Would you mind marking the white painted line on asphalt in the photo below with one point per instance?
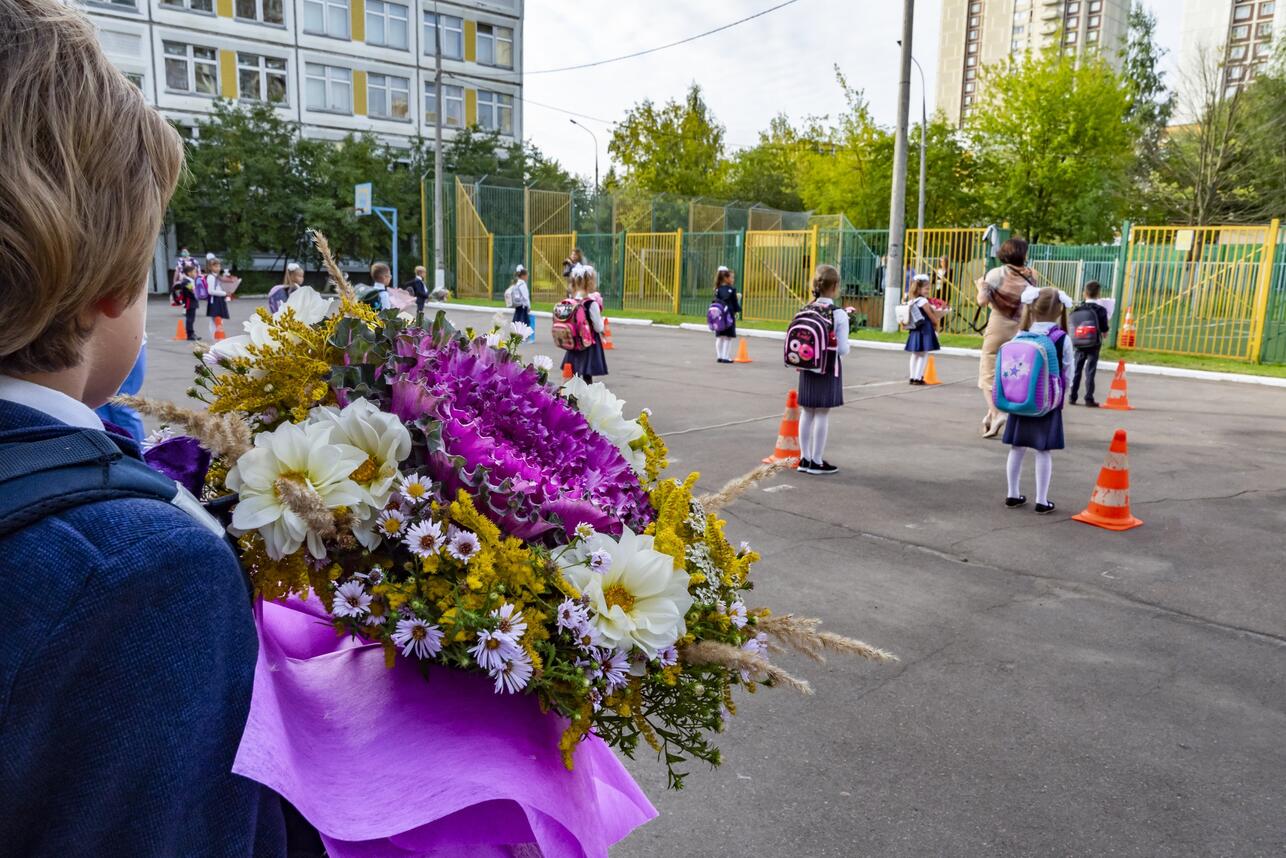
(482, 308)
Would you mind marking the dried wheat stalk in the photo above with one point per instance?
(734, 489)
(735, 658)
(801, 634)
(225, 435)
(304, 501)
(345, 289)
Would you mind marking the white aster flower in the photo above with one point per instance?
(544, 362)
(511, 676)
(493, 649)
(303, 454)
(494, 340)
(418, 638)
(510, 621)
(463, 546)
(604, 413)
(390, 523)
(424, 539)
(520, 330)
(571, 616)
(640, 599)
(372, 620)
(584, 530)
(165, 433)
(351, 600)
(737, 613)
(415, 488)
(378, 434)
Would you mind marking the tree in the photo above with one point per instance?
(767, 173)
(244, 184)
(1055, 147)
(675, 149)
(1151, 106)
(951, 177)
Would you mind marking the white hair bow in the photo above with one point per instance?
(582, 270)
(1031, 293)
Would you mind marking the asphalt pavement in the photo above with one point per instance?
(1062, 689)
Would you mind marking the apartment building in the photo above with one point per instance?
(333, 66)
(979, 33)
(1239, 34)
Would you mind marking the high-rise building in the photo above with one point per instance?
(1237, 34)
(333, 66)
(978, 33)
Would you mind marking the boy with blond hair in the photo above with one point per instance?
(128, 652)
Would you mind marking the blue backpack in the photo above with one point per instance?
(1029, 381)
(46, 471)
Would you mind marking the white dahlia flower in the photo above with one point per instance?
(605, 414)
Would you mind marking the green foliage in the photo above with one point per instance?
(674, 149)
(1151, 106)
(1055, 147)
(767, 173)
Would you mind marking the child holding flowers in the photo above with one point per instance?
(129, 648)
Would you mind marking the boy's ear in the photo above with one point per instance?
(112, 308)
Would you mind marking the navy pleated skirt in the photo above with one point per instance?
(591, 361)
(1039, 433)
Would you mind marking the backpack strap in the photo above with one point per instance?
(50, 473)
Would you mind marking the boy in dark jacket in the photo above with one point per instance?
(128, 651)
(1088, 335)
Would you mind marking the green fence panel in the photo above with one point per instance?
(602, 250)
(509, 251)
(1274, 347)
(1071, 266)
(703, 253)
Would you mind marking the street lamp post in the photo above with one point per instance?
(595, 139)
(895, 271)
(924, 133)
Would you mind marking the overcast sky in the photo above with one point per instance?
(781, 62)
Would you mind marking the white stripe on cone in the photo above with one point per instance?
(1111, 497)
(784, 443)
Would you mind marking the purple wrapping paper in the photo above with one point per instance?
(182, 459)
(385, 763)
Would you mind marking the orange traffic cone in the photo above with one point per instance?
(931, 373)
(1110, 503)
(1116, 398)
(787, 449)
(567, 371)
(743, 353)
(607, 335)
(1127, 329)
(180, 331)
(218, 328)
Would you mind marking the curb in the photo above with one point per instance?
(952, 351)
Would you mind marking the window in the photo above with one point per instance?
(452, 105)
(128, 4)
(1014, 46)
(1243, 13)
(970, 86)
(1264, 29)
(1096, 5)
(975, 8)
(970, 74)
(495, 46)
(1237, 53)
(267, 11)
(261, 78)
(1241, 33)
(191, 5)
(387, 96)
(1267, 9)
(1071, 37)
(970, 62)
(975, 21)
(135, 78)
(1018, 31)
(1073, 9)
(971, 48)
(1092, 36)
(496, 111)
(452, 36)
(190, 68)
(968, 100)
(386, 24)
(1236, 72)
(1020, 17)
(328, 88)
(973, 36)
(1093, 21)
(1262, 49)
(326, 18)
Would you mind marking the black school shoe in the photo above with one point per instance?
(1044, 508)
(1014, 503)
(823, 469)
(1071, 400)
(1089, 403)
(805, 466)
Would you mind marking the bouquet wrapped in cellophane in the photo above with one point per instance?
(507, 552)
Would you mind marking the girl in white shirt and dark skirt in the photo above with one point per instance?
(590, 361)
(819, 392)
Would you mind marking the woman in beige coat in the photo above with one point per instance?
(1001, 290)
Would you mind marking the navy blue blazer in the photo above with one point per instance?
(126, 665)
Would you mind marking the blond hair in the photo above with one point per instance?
(824, 279)
(86, 172)
(379, 269)
(420, 271)
(1048, 307)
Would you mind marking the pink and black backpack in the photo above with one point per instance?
(810, 335)
(572, 329)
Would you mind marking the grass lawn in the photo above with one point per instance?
(956, 340)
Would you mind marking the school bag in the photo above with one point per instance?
(1029, 379)
(571, 327)
(202, 287)
(509, 295)
(903, 313)
(719, 317)
(810, 335)
(1086, 333)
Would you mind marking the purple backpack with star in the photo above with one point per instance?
(718, 317)
(1029, 380)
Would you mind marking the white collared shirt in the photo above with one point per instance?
(46, 400)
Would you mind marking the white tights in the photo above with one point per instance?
(918, 362)
(1044, 470)
(723, 347)
(210, 323)
(814, 424)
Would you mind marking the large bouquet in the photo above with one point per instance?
(438, 500)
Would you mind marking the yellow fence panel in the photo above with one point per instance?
(1197, 290)
(473, 246)
(778, 273)
(547, 255)
(548, 212)
(652, 272)
(966, 260)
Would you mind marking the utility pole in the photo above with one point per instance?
(897, 205)
(440, 271)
